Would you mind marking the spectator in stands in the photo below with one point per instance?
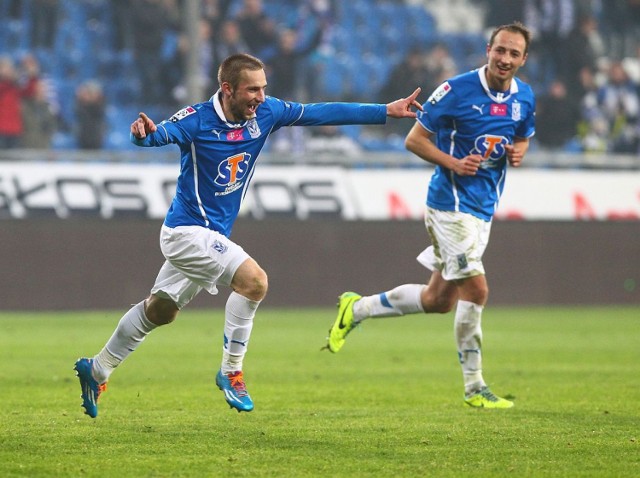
(619, 101)
(502, 12)
(440, 66)
(593, 129)
(229, 42)
(38, 118)
(557, 117)
(176, 64)
(427, 69)
(257, 29)
(216, 13)
(151, 20)
(585, 46)
(283, 65)
(44, 17)
(206, 58)
(122, 24)
(620, 23)
(90, 115)
(550, 21)
(12, 94)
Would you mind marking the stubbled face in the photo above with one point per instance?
(506, 56)
(240, 104)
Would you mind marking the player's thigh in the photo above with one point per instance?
(171, 284)
(204, 257)
(459, 241)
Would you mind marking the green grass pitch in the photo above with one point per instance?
(388, 405)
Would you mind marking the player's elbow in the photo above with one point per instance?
(410, 143)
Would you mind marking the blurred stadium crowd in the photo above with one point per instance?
(75, 73)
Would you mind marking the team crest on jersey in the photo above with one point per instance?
(516, 114)
(491, 148)
(183, 113)
(440, 92)
(254, 129)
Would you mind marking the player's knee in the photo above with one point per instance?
(443, 305)
(478, 295)
(438, 298)
(438, 304)
(251, 281)
(258, 285)
(254, 286)
(160, 311)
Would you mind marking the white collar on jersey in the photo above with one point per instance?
(501, 97)
(217, 106)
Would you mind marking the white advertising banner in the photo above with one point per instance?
(64, 190)
(529, 194)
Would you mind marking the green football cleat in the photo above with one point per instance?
(483, 398)
(344, 322)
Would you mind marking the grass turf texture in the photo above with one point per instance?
(389, 404)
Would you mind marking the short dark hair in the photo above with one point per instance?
(232, 67)
(515, 27)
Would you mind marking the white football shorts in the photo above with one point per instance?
(458, 242)
(196, 258)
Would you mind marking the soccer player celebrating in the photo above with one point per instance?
(219, 141)
(472, 126)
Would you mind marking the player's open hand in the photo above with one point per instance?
(142, 126)
(402, 108)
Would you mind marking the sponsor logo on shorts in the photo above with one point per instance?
(462, 261)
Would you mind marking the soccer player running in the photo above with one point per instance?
(472, 126)
(219, 142)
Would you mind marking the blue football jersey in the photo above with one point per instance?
(468, 117)
(218, 157)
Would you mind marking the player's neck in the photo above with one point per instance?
(497, 84)
(228, 114)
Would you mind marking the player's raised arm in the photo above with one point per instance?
(142, 126)
(402, 108)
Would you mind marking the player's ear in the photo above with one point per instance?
(226, 88)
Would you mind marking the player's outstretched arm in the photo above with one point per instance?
(142, 126)
(402, 108)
